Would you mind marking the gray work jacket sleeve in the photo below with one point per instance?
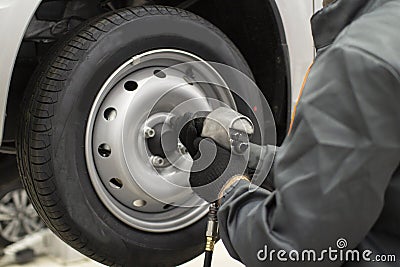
(332, 171)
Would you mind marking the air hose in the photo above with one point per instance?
(211, 234)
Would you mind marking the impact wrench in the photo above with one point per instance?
(231, 130)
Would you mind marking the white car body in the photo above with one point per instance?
(15, 16)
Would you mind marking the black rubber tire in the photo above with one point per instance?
(51, 137)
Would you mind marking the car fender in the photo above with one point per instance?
(15, 16)
(295, 17)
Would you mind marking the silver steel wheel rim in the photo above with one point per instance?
(18, 218)
(116, 152)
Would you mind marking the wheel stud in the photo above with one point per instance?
(157, 161)
(182, 149)
(149, 132)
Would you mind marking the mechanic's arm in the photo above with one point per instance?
(333, 169)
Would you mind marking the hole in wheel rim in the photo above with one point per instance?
(159, 74)
(110, 114)
(131, 86)
(104, 150)
(116, 183)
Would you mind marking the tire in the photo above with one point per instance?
(51, 139)
(11, 192)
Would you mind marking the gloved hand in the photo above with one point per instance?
(213, 167)
(189, 126)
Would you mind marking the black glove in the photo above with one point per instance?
(189, 126)
(213, 166)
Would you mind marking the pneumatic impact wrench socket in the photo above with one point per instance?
(231, 130)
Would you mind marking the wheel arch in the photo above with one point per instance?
(14, 79)
(296, 21)
(14, 29)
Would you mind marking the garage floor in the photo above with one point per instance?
(63, 256)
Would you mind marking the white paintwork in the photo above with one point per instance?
(14, 18)
(16, 14)
(317, 5)
(296, 16)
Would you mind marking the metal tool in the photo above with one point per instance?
(231, 130)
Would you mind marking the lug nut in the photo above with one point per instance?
(182, 149)
(157, 161)
(149, 132)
